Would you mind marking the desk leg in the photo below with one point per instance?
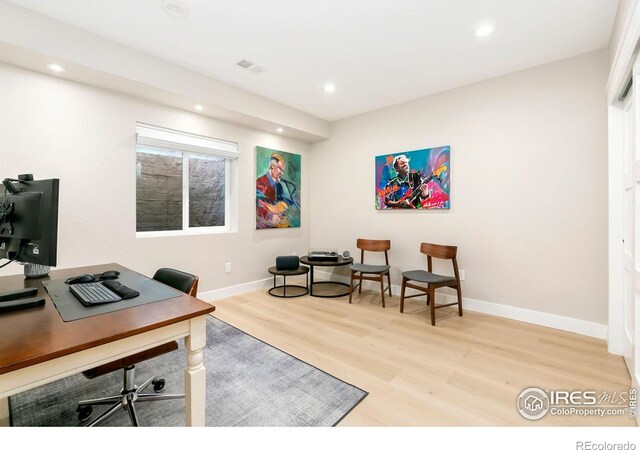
(4, 412)
(195, 375)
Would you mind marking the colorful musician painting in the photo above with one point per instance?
(417, 179)
(277, 189)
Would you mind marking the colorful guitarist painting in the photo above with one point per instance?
(418, 179)
(277, 189)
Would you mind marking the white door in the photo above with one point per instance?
(632, 301)
(629, 207)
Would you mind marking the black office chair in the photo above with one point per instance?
(130, 393)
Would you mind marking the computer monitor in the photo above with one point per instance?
(29, 220)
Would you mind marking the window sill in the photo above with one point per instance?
(189, 232)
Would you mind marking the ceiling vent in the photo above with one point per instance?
(251, 67)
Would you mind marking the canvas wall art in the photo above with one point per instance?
(278, 184)
(418, 179)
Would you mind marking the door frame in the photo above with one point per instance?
(619, 76)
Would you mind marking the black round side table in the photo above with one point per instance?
(302, 270)
(312, 263)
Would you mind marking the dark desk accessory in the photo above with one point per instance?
(119, 289)
(14, 300)
(88, 278)
(20, 293)
(346, 254)
(84, 278)
(23, 303)
(109, 275)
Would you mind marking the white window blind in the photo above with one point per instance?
(152, 136)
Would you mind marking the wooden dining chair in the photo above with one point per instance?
(433, 281)
(371, 272)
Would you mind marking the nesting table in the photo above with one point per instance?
(320, 263)
(302, 270)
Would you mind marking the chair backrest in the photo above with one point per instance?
(373, 245)
(181, 281)
(440, 252)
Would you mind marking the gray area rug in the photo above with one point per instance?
(249, 383)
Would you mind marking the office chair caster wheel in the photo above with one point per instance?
(84, 412)
(158, 384)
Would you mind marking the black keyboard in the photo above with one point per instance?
(93, 294)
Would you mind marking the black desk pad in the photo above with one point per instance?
(70, 307)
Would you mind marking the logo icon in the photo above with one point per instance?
(533, 403)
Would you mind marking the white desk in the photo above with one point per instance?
(37, 347)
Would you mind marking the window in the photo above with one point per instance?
(183, 182)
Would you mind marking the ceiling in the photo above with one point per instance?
(376, 52)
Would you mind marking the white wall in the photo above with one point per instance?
(528, 177)
(86, 137)
(528, 160)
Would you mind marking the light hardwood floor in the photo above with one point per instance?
(464, 371)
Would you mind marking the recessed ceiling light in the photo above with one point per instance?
(329, 88)
(198, 108)
(174, 8)
(279, 130)
(55, 68)
(484, 30)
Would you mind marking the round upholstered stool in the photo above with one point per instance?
(301, 270)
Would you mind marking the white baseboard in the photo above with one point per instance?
(592, 329)
(238, 289)
(596, 330)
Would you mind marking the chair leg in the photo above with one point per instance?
(102, 417)
(360, 286)
(404, 286)
(382, 288)
(100, 401)
(351, 287)
(459, 300)
(156, 397)
(131, 409)
(389, 280)
(432, 297)
(144, 385)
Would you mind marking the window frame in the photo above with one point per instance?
(153, 137)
